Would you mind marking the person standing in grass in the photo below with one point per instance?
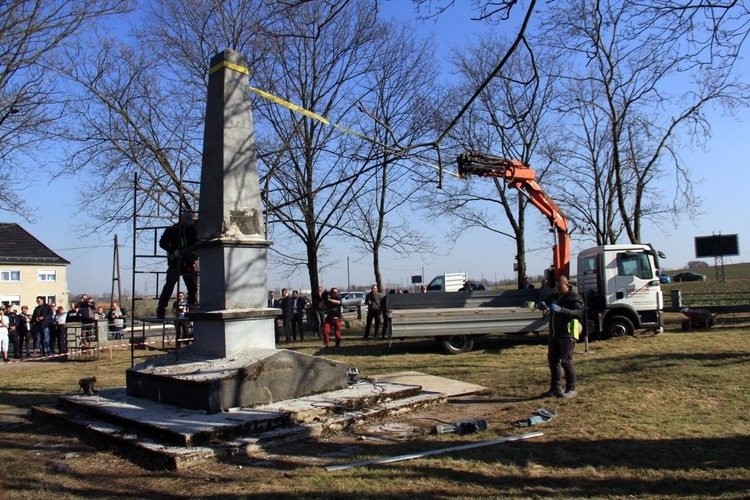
(116, 321)
(13, 330)
(334, 315)
(24, 330)
(42, 322)
(373, 300)
(4, 333)
(565, 310)
(319, 312)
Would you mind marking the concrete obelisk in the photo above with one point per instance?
(233, 251)
(233, 361)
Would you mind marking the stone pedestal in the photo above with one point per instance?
(224, 334)
(249, 378)
(232, 294)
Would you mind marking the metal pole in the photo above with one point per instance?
(435, 452)
(135, 263)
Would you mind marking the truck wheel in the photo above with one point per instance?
(455, 344)
(618, 327)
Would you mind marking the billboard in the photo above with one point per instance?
(716, 246)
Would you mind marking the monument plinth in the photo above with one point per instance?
(232, 324)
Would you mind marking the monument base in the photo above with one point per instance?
(225, 334)
(250, 378)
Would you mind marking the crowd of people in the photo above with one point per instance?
(324, 314)
(44, 331)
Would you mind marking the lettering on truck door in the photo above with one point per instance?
(632, 282)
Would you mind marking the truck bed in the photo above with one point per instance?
(465, 313)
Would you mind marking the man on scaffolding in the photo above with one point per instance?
(179, 241)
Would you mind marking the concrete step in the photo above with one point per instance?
(168, 437)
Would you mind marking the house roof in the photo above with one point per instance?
(18, 246)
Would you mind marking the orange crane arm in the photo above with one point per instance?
(522, 177)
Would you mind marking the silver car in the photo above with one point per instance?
(352, 300)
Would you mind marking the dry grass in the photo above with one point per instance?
(656, 417)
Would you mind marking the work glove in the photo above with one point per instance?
(541, 306)
(554, 308)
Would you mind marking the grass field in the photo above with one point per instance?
(656, 417)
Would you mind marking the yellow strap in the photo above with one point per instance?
(315, 116)
(352, 132)
(230, 65)
(287, 104)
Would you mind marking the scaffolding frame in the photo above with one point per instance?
(149, 227)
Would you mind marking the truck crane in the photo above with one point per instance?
(619, 283)
(523, 178)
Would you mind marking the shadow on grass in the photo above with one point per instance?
(640, 362)
(649, 467)
(24, 398)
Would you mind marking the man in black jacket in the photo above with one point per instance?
(298, 304)
(373, 300)
(565, 309)
(319, 312)
(42, 318)
(334, 315)
(526, 284)
(285, 304)
(179, 242)
(24, 330)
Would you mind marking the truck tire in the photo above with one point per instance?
(455, 344)
(618, 326)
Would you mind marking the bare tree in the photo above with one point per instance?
(581, 156)
(131, 120)
(141, 114)
(506, 120)
(32, 34)
(397, 114)
(321, 64)
(636, 109)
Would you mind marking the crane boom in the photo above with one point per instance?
(522, 177)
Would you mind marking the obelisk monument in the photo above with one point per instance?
(233, 361)
(233, 266)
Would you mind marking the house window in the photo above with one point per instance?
(47, 275)
(10, 275)
(13, 300)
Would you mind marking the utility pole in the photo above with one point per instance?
(116, 275)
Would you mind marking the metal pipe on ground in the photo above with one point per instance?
(435, 452)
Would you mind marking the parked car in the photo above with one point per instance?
(688, 276)
(352, 300)
(474, 286)
(664, 278)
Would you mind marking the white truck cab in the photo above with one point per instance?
(621, 290)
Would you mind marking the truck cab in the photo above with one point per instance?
(621, 290)
(448, 282)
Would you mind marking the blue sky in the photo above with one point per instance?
(723, 189)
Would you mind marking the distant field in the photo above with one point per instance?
(731, 271)
(734, 290)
